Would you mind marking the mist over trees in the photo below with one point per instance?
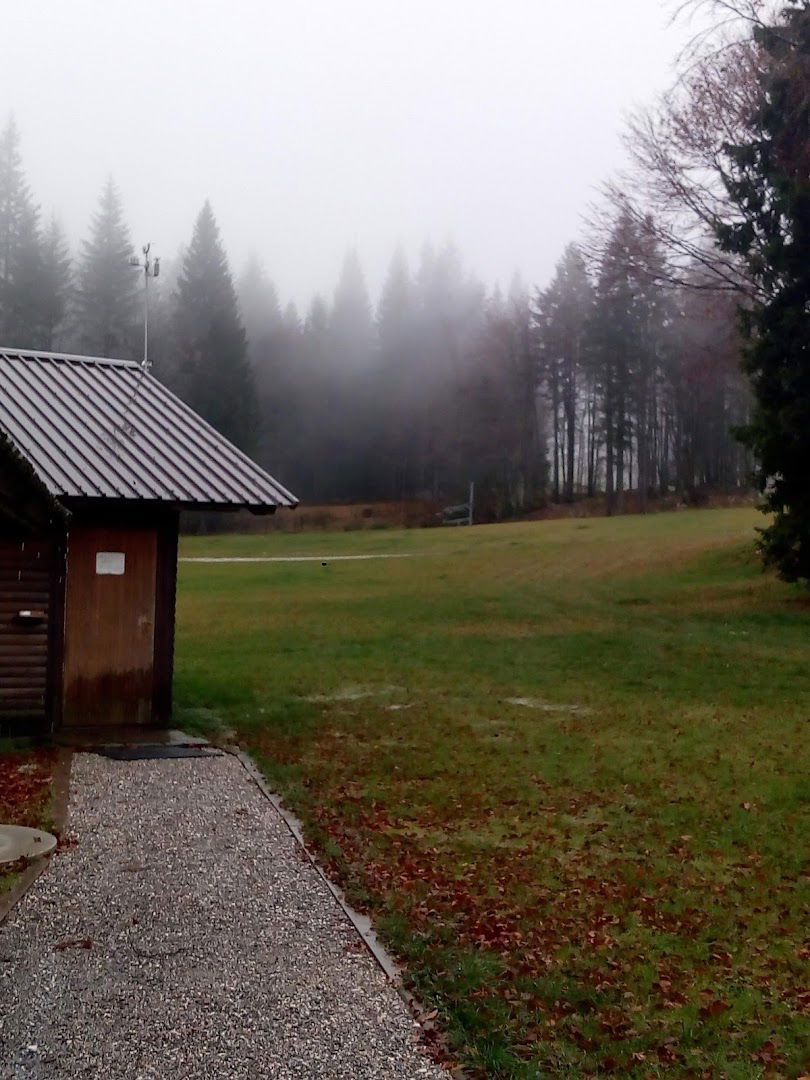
(618, 379)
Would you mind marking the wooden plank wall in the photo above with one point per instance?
(27, 571)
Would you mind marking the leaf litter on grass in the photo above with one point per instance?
(25, 796)
(25, 781)
(594, 949)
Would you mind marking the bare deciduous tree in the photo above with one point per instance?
(677, 184)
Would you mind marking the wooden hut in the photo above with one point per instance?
(97, 459)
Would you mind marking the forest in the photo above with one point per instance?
(621, 374)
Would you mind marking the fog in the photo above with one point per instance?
(387, 287)
(321, 126)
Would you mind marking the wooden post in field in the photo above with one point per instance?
(472, 501)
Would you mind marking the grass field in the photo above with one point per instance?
(565, 765)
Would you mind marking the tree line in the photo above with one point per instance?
(612, 378)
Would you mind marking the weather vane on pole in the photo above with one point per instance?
(151, 268)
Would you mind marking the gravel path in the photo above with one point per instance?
(186, 936)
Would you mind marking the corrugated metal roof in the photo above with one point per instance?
(106, 429)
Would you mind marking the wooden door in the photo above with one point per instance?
(109, 627)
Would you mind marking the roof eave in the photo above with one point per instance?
(8, 446)
(261, 508)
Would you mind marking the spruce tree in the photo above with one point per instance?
(21, 256)
(259, 306)
(770, 179)
(108, 304)
(614, 339)
(395, 313)
(290, 319)
(56, 283)
(15, 199)
(316, 325)
(22, 292)
(503, 449)
(215, 375)
(396, 405)
(351, 328)
(271, 353)
(561, 318)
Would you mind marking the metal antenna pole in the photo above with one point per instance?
(150, 269)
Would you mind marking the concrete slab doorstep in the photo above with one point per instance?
(184, 935)
(93, 737)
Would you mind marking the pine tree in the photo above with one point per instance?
(216, 377)
(769, 180)
(107, 300)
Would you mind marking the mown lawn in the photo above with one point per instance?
(611, 877)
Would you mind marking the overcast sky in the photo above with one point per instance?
(318, 125)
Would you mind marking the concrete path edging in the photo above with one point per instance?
(360, 922)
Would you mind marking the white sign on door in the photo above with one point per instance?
(110, 562)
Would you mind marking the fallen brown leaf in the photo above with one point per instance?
(73, 943)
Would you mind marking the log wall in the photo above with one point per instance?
(28, 569)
